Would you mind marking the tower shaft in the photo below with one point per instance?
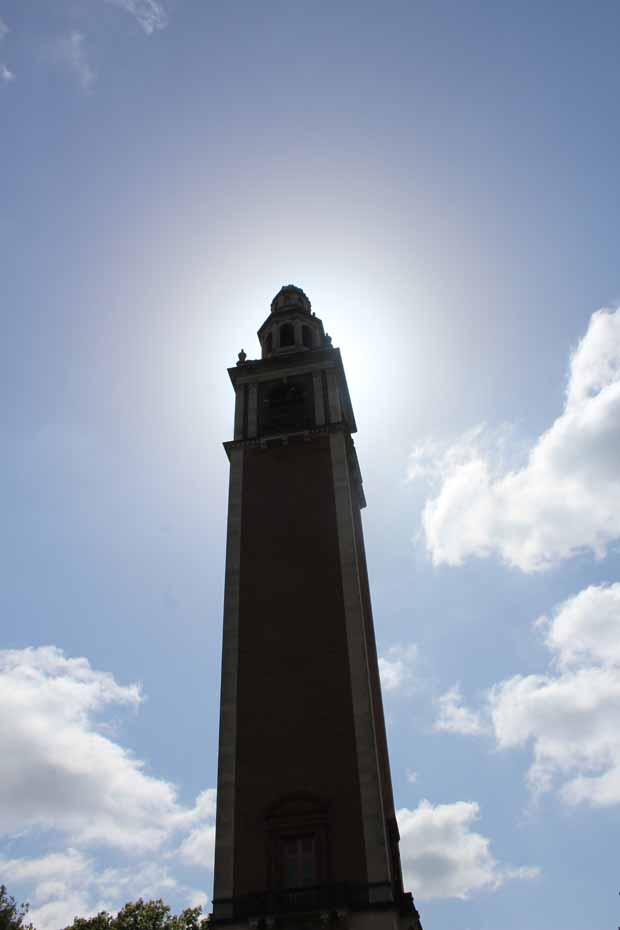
(305, 814)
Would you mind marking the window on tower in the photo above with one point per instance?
(269, 343)
(306, 336)
(299, 861)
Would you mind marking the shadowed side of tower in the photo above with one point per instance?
(306, 831)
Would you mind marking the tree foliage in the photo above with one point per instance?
(143, 915)
(135, 915)
(12, 915)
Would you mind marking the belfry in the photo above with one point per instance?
(306, 832)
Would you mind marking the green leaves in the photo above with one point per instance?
(135, 915)
(141, 915)
(12, 915)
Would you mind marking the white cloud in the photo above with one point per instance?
(203, 809)
(198, 899)
(63, 885)
(61, 911)
(57, 886)
(199, 847)
(412, 776)
(569, 716)
(585, 629)
(6, 75)
(150, 14)
(49, 875)
(147, 880)
(66, 781)
(565, 498)
(70, 53)
(58, 771)
(454, 717)
(443, 857)
(396, 667)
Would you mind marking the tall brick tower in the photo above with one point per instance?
(306, 833)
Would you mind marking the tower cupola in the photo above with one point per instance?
(290, 297)
(291, 326)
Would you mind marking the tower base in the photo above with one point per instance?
(359, 920)
(331, 918)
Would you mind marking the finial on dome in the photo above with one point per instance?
(290, 297)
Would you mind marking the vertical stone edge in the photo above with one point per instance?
(223, 879)
(377, 858)
(333, 396)
(252, 410)
(319, 408)
(240, 392)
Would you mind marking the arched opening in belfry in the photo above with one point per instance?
(287, 335)
(269, 343)
(286, 407)
(306, 336)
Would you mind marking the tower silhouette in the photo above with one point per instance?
(306, 832)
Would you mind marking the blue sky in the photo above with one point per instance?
(441, 179)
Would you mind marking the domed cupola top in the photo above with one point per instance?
(291, 326)
(290, 297)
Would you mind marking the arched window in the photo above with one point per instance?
(297, 848)
(287, 335)
(299, 861)
(306, 336)
(269, 344)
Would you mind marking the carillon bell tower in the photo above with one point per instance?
(306, 833)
